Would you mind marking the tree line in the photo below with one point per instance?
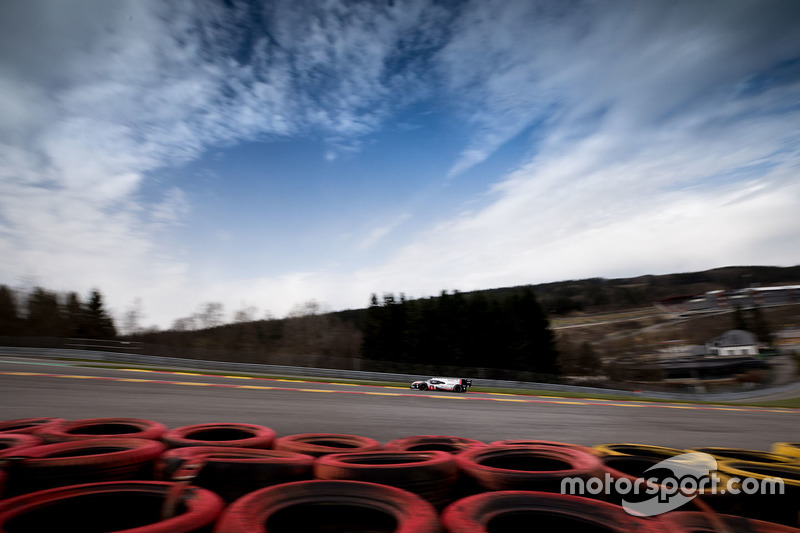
(43, 313)
(510, 332)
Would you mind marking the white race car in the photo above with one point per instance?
(451, 384)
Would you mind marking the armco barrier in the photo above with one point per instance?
(281, 370)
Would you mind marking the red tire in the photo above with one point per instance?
(329, 506)
(13, 443)
(697, 521)
(96, 428)
(234, 472)
(428, 474)
(427, 443)
(27, 425)
(531, 442)
(82, 461)
(540, 468)
(114, 506)
(518, 511)
(319, 444)
(228, 435)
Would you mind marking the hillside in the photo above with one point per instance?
(610, 316)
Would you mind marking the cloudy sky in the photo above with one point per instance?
(268, 153)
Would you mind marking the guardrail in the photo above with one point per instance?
(361, 375)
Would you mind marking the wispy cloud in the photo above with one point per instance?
(663, 134)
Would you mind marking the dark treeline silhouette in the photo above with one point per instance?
(510, 332)
(42, 313)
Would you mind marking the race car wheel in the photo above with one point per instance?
(228, 435)
(112, 506)
(95, 428)
(234, 472)
(516, 511)
(539, 468)
(82, 461)
(351, 506)
(457, 388)
(319, 444)
(428, 474)
(423, 387)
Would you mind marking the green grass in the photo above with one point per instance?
(790, 403)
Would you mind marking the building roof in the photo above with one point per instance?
(735, 337)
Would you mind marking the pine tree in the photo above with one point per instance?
(97, 323)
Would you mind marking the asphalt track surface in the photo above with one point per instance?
(42, 388)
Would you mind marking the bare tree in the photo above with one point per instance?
(245, 314)
(210, 315)
(132, 319)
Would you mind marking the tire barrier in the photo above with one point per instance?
(82, 461)
(427, 474)
(538, 468)
(111, 506)
(519, 511)
(13, 443)
(345, 506)
(625, 470)
(766, 503)
(95, 428)
(27, 425)
(696, 522)
(739, 454)
(788, 449)
(319, 444)
(427, 443)
(234, 472)
(229, 435)
(639, 450)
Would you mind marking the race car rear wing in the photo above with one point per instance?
(466, 382)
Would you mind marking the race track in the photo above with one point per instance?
(38, 388)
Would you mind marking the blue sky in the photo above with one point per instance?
(263, 155)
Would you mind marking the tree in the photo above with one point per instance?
(10, 321)
(210, 315)
(44, 314)
(97, 323)
(132, 321)
(74, 313)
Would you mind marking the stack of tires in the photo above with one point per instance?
(119, 474)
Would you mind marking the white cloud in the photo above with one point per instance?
(649, 120)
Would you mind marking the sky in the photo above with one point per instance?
(266, 154)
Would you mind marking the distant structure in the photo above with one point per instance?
(732, 343)
(720, 300)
